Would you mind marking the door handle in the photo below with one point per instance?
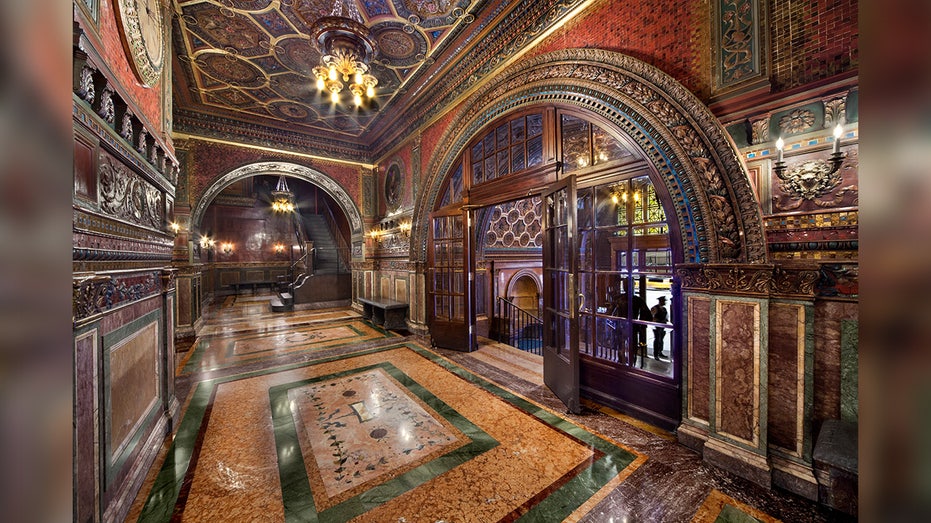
(581, 301)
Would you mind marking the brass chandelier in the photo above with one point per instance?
(346, 50)
(282, 197)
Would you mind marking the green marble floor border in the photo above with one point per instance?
(559, 504)
(162, 498)
(295, 485)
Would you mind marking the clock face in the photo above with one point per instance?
(142, 23)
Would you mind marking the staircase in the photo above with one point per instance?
(284, 302)
(326, 255)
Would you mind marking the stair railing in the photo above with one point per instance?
(342, 247)
(518, 327)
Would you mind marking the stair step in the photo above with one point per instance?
(278, 306)
(286, 298)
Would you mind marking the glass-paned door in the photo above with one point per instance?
(451, 280)
(561, 302)
(625, 273)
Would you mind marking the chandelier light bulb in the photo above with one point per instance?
(334, 96)
(356, 99)
(370, 91)
(320, 84)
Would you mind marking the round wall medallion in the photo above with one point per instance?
(393, 186)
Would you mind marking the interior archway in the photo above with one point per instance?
(330, 186)
(716, 211)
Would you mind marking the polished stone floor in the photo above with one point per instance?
(321, 416)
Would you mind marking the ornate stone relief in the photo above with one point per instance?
(760, 130)
(86, 85)
(835, 112)
(810, 181)
(125, 195)
(761, 280)
(143, 144)
(794, 282)
(742, 279)
(105, 105)
(97, 293)
(797, 121)
(126, 126)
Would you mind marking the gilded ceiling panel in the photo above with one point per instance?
(251, 61)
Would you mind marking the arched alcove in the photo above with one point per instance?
(330, 186)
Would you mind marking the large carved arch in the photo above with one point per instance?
(719, 218)
(302, 172)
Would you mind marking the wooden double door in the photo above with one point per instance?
(607, 265)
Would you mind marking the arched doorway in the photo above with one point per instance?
(526, 292)
(676, 151)
(306, 249)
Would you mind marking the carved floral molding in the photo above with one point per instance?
(125, 195)
(96, 293)
(758, 280)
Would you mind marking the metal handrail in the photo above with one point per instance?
(519, 328)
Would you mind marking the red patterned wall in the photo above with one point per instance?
(671, 36)
(429, 140)
(210, 161)
(813, 40)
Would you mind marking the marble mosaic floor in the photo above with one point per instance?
(320, 416)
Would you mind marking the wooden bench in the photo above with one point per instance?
(253, 284)
(389, 314)
(836, 465)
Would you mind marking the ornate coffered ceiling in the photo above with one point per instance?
(250, 61)
(242, 69)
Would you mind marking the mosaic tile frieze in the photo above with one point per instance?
(687, 146)
(838, 280)
(96, 293)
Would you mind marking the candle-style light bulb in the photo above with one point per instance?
(838, 131)
(779, 146)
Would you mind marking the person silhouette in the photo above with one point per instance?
(640, 312)
(660, 315)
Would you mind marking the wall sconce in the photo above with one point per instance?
(207, 243)
(175, 226)
(226, 247)
(279, 248)
(836, 159)
(405, 228)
